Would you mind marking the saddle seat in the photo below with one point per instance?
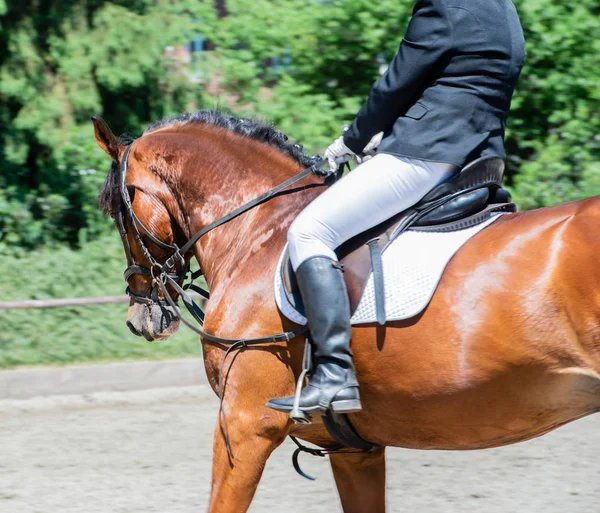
(467, 199)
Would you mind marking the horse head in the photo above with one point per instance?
(145, 213)
(184, 177)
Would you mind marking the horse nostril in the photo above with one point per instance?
(132, 329)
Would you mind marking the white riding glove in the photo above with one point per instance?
(371, 148)
(338, 153)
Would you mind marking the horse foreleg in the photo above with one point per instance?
(360, 480)
(254, 436)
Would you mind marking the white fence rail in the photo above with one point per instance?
(72, 302)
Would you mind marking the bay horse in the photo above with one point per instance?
(507, 350)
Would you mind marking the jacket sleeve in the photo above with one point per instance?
(428, 38)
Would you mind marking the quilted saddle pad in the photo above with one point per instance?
(412, 267)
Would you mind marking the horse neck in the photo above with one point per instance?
(224, 172)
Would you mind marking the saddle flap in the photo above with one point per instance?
(357, 269)
(290, 284)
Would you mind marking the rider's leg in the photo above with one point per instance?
(366, 197)
(371, 194)
(333, 383)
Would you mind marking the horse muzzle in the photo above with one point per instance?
(153, 321)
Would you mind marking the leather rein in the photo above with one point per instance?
(168, 274)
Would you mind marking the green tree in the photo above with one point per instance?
(554, 129)
(62, 62)
(306, 65)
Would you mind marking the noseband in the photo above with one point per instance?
(166, 274)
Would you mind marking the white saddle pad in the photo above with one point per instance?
(412, 268)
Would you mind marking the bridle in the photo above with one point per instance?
(167, 274)
(155, 270)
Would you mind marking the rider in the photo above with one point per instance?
(442, 103)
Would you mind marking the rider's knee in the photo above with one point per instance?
(298, 232)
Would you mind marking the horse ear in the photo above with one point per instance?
(107, 140)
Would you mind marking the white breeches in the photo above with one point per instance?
(371, 194)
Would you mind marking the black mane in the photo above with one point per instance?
(242, 126)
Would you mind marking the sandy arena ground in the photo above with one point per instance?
(150, 451)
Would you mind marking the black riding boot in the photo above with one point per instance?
(333, 384)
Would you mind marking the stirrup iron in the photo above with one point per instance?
(297, 415)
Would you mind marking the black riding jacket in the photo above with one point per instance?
(447, 92)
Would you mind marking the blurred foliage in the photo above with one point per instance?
(305, 65)
(61, 62)
(554, 130)
(67, 335)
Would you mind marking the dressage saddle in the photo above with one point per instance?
(468, 198)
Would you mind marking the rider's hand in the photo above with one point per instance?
(338, 153)
(371, 148)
